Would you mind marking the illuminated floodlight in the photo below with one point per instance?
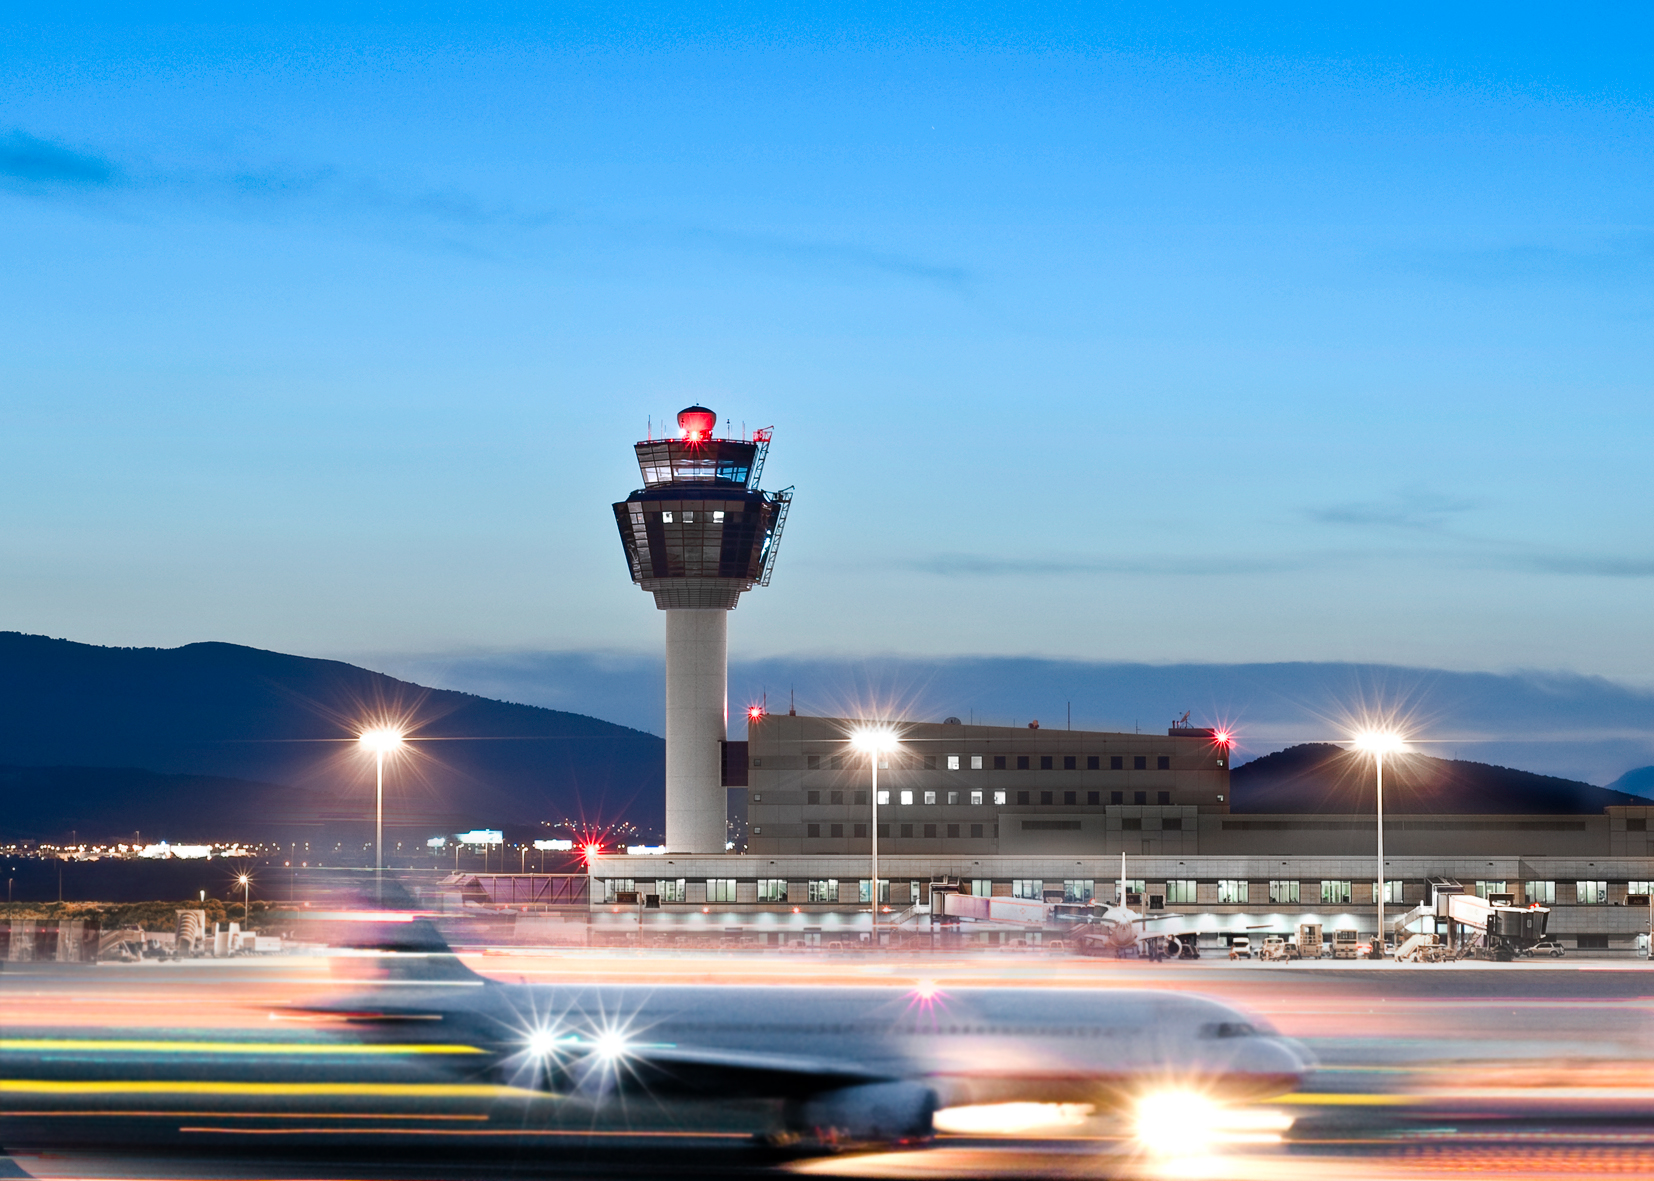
(382, 740)
(1224, 738)
(874, 739)
(1380, 742)
(755, 712)
(591, 851)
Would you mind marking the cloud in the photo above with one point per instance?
(1416, 510)
(38, 163)
(983, 566)
(1586, 565)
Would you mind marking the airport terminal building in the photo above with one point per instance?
(1046, 814)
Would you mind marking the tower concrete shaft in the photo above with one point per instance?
(697, 720)
(698, 535)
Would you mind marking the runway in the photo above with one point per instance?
(1534, 1070)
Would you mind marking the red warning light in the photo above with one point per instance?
(755, 712)
(1223, 738)
(591, 851)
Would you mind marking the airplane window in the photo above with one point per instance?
(1228, 1029)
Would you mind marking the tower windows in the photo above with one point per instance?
(1070, 762)
(1045, 762)
(953, 762)
(1163, 763)
(1116, 762)
(976, 762)
(999, 762)
(1093, 762)
(1022, 762)
(1139, 762)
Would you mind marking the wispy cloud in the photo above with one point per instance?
(1416, 510)
(37, 164)
(454, 220)
(984, 566)
(1589, 565)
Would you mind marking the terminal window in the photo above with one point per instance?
(720, 889)
(823, 890)
(884, 830)
(1543, 893)
(1093, 797)
(999, 762)
(884, 797)
(1163, 762)
(907, 799)
(953, 762)
(835, 797)
(835, 761)
(812, 830)
(982, 887)
(999, 797)
(1022, 797)
(1069, 797)
(861, 797)
(1283, 891)
(930, 797)
(812, 761)
(1139, 797)
(953, 830)
(930, 830)
(812, 797)
(1163, 797)
(860, 830)
(1591, 893)
(1093, 762)
(1077, 889)
(953, 797)
(976, 799)
(1045, 762)
(1232, 891)
(930, 762)
(1180, 892)
(867, 889)
(772, 889)
(1116, 762)
(1639, 887)
(1139, 762)
(1337, 893)
(976, 830)
(1116, 797)
(1045, 797)
(1069, 762)
(907, 830)
(1392, 891)
(670, 889)
(1022, 762)
(1027, 888)
(836, 830)
(976, 762)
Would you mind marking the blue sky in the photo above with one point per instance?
(1153, 334)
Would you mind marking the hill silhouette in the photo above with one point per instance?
(1322, 777)
(1638, 782)
(232, 735)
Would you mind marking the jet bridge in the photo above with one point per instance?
(1475, 926)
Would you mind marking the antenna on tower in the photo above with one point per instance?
(792, 707)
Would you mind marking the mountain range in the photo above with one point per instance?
(190, 742)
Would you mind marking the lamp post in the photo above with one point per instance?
(246, 883)
(1379, 743)
(381, 742)
(876, 741)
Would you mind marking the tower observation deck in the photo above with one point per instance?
(699, 534)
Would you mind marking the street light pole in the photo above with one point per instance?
(246, 900)
(1378, 744)
(876, 741)
(382, 741)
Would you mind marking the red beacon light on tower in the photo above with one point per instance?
(696, 424)
(755, 713)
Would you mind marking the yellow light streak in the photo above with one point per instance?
(30, 1086)
(168, 1047)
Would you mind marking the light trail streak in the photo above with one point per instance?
(165, 1047)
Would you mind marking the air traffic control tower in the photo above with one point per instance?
(697, 534)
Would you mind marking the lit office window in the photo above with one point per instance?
(884, 797)
(1232, 891)
(1180, 893)
(1027, 888)
(953, 762)
(884, 889)
(720, 889)
(999, 797)
(617, 886)
(982, 887)
(907, 799)
(1283, 891)
(1543, 893)
(1078, 889)
(824, 890)
(1639, 887)
(930, 797)
(976, 799)
(953, 797)
(976, 762)
(1336, 893)
(772, 889)
(717, 517)
(670, 890)
(1483, 889)
(666, 518)
(1392, 890)
(1592, 893)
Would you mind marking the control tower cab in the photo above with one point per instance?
(697, 535)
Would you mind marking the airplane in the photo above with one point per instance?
(1120, 931)
(796, 1068)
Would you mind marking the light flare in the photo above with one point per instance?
(382, 740)
(1009, 1119)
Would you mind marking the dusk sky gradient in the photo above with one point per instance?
(1158, 333)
